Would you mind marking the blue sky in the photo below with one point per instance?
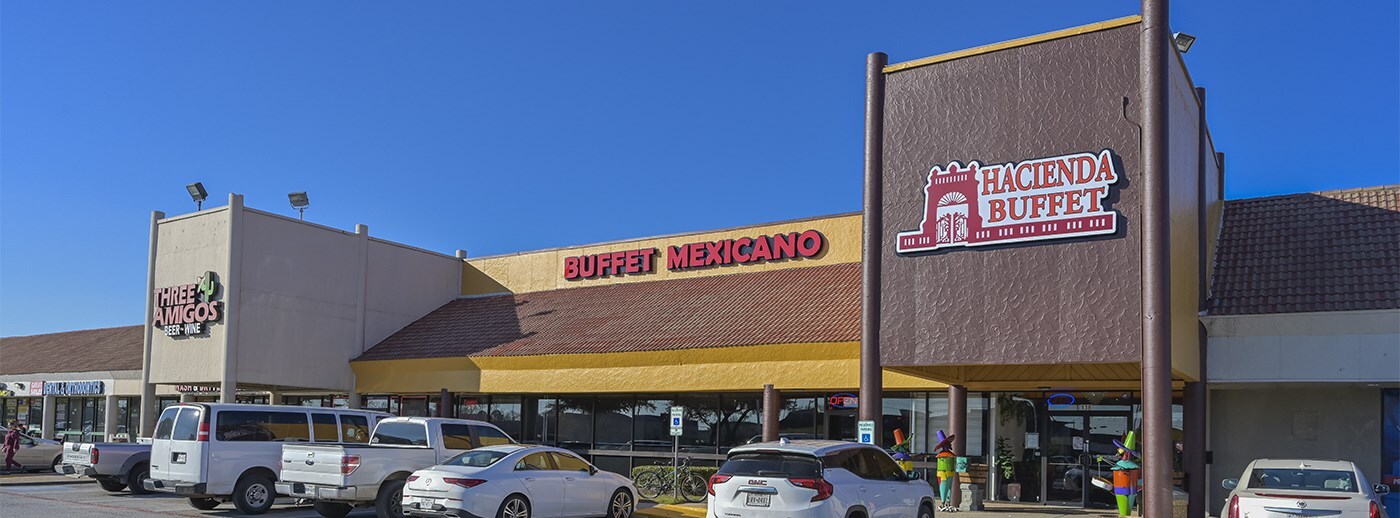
(507, 126)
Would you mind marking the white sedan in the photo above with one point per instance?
(514, 481)
(1302, 488)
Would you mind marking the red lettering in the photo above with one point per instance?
(997, 207)
(677, 257)
(587, 266)
(1106, 173)
(1025, 177)
(1056, 200)
(740, 245)
(646, 259)
(809, 243)
(784, 245)
(618, 260)
(1072, 202)
(213, 310)
(570, 268)
(714, 253)
(1015, 216)
(604, 261)
(157, 318)
(697, 254)
(1094, 194)
(760, 249)
(989, 176)
(1037, 203)
(1083, 169)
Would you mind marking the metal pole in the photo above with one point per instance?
(957, 425)
(871, 377)
(1156, 272)
(676, 467)
(771, 410)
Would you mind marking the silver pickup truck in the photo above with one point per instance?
(114, 465)
(339, 477)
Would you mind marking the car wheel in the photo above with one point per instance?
(203, 504)
(253, 494)
(53, 466)
(111, 485)
(515, 506)
(332, 510)
(925, 511)
(389, 503)
(621, 504)
(137, 479)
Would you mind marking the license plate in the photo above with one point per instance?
(424, 502)
(758, 499)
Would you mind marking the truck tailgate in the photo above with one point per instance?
(312, 464)
(77, 455)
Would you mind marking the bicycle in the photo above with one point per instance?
(693, 487)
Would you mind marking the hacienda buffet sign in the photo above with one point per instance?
(704, 254)
(1045, 198)
(186, 309)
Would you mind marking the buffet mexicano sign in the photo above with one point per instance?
(1044, 198)
(186, 309)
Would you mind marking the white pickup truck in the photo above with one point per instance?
(337, 478)
(114, 465)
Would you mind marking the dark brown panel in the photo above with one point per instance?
(1074, 300)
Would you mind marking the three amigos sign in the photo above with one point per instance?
(185, 309)
(1045, 198)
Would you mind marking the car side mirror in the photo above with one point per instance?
(1230, 483)
(592, 470)
(1382, 489)
(914, 475)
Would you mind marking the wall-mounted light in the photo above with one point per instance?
(1183, 41)
(198, 194)
(299, 202)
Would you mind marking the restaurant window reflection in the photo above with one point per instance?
(506, 414)
(574, 418)
(612, 423)
(798, 418)
(739, 420)
(651, 429)
(700, 424)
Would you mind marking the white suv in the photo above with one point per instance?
(816, 478)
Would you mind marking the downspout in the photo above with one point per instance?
(1156, 264)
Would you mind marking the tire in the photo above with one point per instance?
(331, 509)
(515, 506)
(111, 485)
(694, 488)
(650, 484)
(925, 511)
(136, 479)
(621, 504)
(53, 466)
(253, 494)
(204, 504)
(389, 503)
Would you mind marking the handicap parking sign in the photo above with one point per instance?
(866, 431)
(866, 439)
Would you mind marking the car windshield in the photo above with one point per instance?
(1306, 479)
(772, 464)
(475, 459)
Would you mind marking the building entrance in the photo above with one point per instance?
(1074, 443)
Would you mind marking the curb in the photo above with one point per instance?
(50, 481)
(671, 511)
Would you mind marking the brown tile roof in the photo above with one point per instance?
(110, 349)
(1325, 251)
(797, 305)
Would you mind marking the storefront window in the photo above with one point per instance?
(574, 420)
(739, 418)
(651, 430)
(505, 414)
(612, 423)
(701, 424)
(472, 407)
(798, 418)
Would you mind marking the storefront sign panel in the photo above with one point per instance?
(1034, 200)
(843, 401)
(187, 309)
(704, 254)
(73, 388)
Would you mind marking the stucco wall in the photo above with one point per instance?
(1354, 346)
(188, 246)
(1184, 184)
(1074, 300)
(543, 270)
(403, 284)
(1318, 421)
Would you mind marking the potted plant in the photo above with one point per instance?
(1006, 468)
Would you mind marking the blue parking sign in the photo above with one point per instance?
(866, 439)
(675, 421)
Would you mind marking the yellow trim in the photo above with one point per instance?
(800, 366)
(1018, 42)
(671, 511)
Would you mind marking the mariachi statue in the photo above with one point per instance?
(1126, 474)
(947, 469)
(901, 450)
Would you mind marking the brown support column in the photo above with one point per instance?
(1156, 268)
(871, 377)
(772, 403)
(445, 404)
(957, 426)
(1194, 401)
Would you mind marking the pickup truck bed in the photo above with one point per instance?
(115, 466)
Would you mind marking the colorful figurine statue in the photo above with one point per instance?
(947, 469)
(1126, 474)
(901, 450)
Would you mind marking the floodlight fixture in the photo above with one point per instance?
(198, 194)
(1183, 41)
(299, 202)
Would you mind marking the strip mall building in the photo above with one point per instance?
(1007, 274)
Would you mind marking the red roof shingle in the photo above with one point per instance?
(1325, 251)
(109, 349)
(796, 305)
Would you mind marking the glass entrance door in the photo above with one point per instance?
(1073, 444)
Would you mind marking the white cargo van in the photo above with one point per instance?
(216, 452)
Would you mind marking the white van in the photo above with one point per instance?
(215, 452)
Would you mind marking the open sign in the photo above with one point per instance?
(843, 401)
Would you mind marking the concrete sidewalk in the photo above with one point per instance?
(40, 478)
(994, 509)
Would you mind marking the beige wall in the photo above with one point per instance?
(544, 270)
(1333, 346)
(190, 245)
(1184, 184)
(403, 284)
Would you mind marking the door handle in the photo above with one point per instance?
(529, 479)
(570, 479)
(862, 489)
